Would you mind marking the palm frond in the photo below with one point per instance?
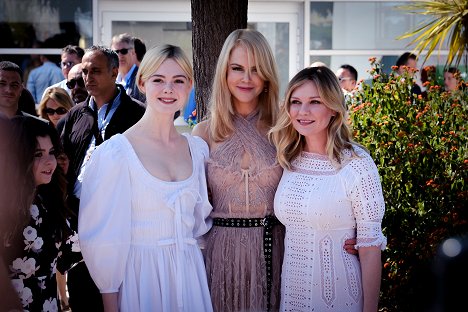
(450, 19)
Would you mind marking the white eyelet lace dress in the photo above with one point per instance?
(321, 207)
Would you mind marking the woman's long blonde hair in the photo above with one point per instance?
(221, 109)
(289, 143)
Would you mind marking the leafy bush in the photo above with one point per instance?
(420, 147)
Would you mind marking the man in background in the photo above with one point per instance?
(124, 46)
(42, 77)
(71, 55)
(76, 84)
(347, 76)
(11, 86)
(408, 62)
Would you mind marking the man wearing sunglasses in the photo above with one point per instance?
(108, 110)
(70, 56)
(76, 84)
(124, 46)
(347, 76)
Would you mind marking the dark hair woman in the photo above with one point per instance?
(44, 237)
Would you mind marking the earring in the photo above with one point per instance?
(265, 90)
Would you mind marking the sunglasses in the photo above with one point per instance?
(59, 111)
(122, 51)
(73, 82)
(67, 64)
(344, 79)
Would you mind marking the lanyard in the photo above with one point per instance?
(103, 116)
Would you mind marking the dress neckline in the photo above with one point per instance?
(250, 116)
(312, 155)
(147, 173)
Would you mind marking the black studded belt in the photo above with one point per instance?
(267, 223)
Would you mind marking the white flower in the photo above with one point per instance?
(75, 243)
(37, 244)
(17, 264)
(30, 233)
(34, 212)
(50, 305)
(29, 267)
(17, 284)
(26, 296)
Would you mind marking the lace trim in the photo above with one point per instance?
(328, 273)
(370, 234)
(313, 172)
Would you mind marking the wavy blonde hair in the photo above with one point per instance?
(289, 143)
(60, 96)
(221, 109)
(155, 56)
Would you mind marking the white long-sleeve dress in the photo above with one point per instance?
(321, 207)
(138, 233)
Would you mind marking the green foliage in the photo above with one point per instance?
(420, 147)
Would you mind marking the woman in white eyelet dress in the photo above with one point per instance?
(330, 191)
(144, 202)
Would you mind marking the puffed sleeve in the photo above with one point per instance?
(203, 207)
(367, 202)
(104, 221)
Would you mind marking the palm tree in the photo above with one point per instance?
(449, 17)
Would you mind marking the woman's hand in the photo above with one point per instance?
(349, 246)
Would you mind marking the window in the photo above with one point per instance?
(349, 32)
(39, 24)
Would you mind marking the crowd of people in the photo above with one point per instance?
(450, 79)
(267, 205)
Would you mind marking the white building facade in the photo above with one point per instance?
(299, 31)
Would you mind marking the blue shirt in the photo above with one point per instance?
(191, 105)
(42, 77)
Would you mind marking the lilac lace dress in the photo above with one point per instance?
(242, 176)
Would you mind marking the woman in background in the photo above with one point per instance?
(330, 191)
(54, 105)
(452, 79)
(44, 238)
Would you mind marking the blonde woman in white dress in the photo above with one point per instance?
(330, 191)
(144, 201)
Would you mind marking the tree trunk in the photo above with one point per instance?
(212, 22)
